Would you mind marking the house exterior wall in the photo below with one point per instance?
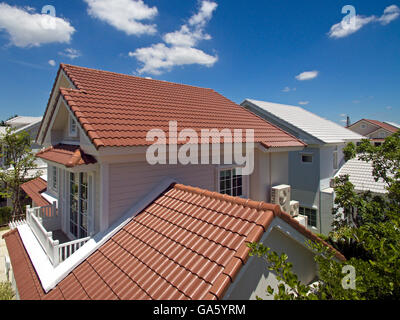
(309, 179)
(256, 277)
(129, 182)
(379, 134)
(360, 129)
(270, 169)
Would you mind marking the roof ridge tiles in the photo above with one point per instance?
(65, 66)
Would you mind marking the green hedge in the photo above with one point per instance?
(5, 215)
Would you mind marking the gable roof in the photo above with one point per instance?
(379, 124)
(67, 155)
(188, 243)
(118, 110)
(361, 176)
(300, 119)
(383, 125)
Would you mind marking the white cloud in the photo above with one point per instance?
(204, 15)
(344, 29)
(159, 58)
(389, 107)
(288, 89)
(179, 47)
(304, 103)
(29, 29)
(52, 63)
(308, 75)
(391, 13)
(124, 15)
(70, 53)
(341, 30)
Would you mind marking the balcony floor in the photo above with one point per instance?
(60, 236)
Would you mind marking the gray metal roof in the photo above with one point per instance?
(360, 175)
(308, 122)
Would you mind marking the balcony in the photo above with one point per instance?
(45, 223)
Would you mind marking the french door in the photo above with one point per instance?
(79, 194)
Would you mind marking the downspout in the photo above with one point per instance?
(270, 178)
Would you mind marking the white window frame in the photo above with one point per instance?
(307, 154)
(54, 178)
(72, 121)
(245, 180)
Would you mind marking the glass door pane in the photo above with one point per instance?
(79, 204)
(74, 204)
(83, 205)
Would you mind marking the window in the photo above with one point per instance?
(231, 182)
(335, 158)
(78, 223)
(307, 158)
(311, 214)
(73, 128)
(378, 144)
(363, 126)
(54, 178)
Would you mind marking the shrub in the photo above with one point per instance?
(6, 291)
(5, 215)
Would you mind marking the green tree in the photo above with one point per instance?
(18, 160)
(366, 231)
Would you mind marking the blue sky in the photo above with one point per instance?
(241, 49)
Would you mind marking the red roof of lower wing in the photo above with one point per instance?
(34, 189)
(187, 244)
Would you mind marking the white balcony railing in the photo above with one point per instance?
(43, 219)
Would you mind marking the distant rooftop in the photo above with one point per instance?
(393, 124)
(308, 122)
(22, 120)
(360, 175)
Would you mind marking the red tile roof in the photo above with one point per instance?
(187, 244)
(383, 125)
(34, 188)
(118, 110)
(67, 155)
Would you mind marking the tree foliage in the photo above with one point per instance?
(18, 160)
(366, 230)
(6, 291)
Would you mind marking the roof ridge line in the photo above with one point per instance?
(129, 76)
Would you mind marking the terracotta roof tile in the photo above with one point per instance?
(168, 251)
(383, 125)
(118, 110)
(67, 155)
(34, 188)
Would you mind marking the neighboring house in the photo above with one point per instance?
(30, 125)
(310, 169)
(374, 130)
(108, 225)
(361, 176)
